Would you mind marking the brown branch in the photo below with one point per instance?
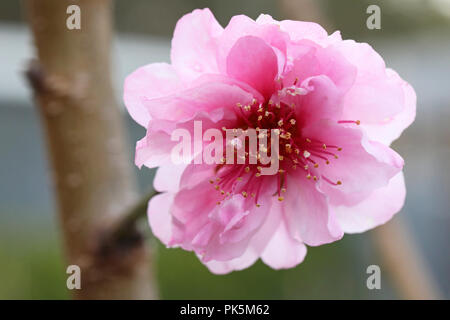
(92, 175)
(124, 230)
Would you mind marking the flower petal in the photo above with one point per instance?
(377, 209)
(168, 176)
(151, 81)
(241, 26)
(297, 30)
(378, 96)
(159, 217)
(306, 212)
(323, 100)
(208, 97)
(283, 251)
(361, 165)
(194, 44)
(253, 61)
(391, 128)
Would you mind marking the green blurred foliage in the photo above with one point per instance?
(32, 267)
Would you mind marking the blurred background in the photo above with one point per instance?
(414, 40)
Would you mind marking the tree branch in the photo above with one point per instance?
(84, 132)
(124, 230)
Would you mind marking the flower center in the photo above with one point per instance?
(294, 152)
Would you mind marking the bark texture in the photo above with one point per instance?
(92, 175)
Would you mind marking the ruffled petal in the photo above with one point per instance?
(321, 100)
(151, 81)
(253, 61)
(210, 97)
(159, 216)
(194, 44)
(377, 209)
(391, 128)
(283, 251)
(168, 177)
(306, 212)
(297, 30)
(361, 165)
(378, 96)
(242, 26)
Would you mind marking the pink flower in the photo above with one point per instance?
(337, 108)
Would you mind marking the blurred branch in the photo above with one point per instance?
(408, 271)
(92, 176)
(126, 227)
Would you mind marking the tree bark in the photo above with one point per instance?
(85, 136)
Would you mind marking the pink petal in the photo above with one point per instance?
(208, 97)
(241, 26)
(194, 44)
(154, 149)
(306, 212)
(297, 30)
(361, 165)
(312, 60)
(283, 251)
(254, 249)
(391, 128)
(248, 258)
(253, 61)
(378, 96)
(159, 216)
(322, 101)
(377, 209)
(151, 81)
(168, 177)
